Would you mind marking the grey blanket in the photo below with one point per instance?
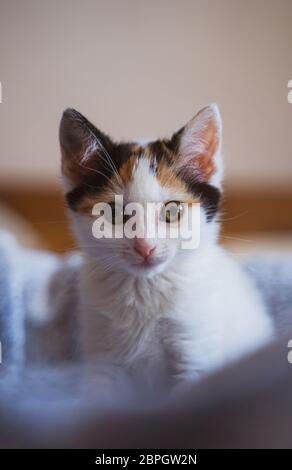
(42, 409)
(38, 292)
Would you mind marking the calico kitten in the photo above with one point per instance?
(149, 305)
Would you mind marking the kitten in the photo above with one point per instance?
(147, 304)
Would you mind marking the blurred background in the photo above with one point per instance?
(140, 69)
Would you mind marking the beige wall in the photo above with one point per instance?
(142, 68)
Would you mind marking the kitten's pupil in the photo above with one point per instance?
(171, 212)
(118, 216)
(127, 217)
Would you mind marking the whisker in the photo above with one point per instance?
(234, 217)
(95, 171)
(95, 144)
(238, 239)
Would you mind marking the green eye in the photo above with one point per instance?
(171, 212)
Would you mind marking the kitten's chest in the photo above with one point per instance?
(134, 299)
(133, 324)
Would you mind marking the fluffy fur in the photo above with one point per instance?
(184, 312)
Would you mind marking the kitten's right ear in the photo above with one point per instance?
(199, 146)
(82, 146)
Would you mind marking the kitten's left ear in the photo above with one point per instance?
(200, 145)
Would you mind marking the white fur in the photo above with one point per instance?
(192, 312)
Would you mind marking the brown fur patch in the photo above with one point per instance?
(114, 186)
(167, 177)
(86, 204)
(127, 169)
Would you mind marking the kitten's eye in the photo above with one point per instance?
(171, 212)
(117, 216)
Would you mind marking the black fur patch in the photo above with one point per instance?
(209, 196)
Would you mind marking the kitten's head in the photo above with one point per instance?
(183, 171)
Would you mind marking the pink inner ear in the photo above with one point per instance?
(199, 145)
(205, 161)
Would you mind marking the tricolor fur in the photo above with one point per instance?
(164, 312)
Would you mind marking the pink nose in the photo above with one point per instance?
(143, 247)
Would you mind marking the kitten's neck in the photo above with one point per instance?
(121, 294)
(123, 278)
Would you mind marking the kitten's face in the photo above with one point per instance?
(172, 175)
